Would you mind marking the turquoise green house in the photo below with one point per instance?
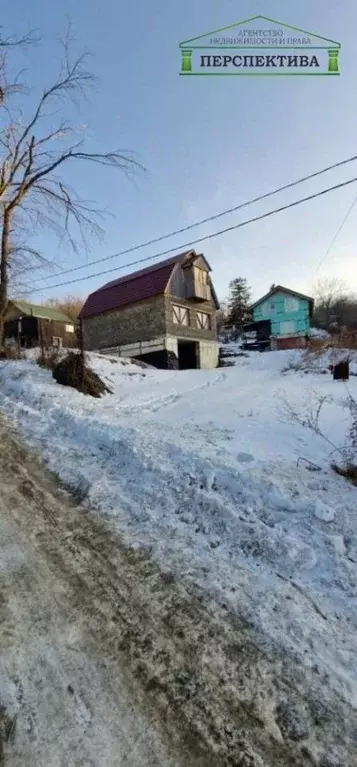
(284, 316)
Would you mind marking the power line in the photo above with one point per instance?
(337, 233)
(204, 220)
(201, 239)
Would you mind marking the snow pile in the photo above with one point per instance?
(318, 333)
(207, 470)
(128, 364)
(231, 349)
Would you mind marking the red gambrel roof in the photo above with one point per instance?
(134, 287)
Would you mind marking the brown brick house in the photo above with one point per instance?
(164, 314)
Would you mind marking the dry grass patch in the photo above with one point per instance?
(349, 471)
(11, 353)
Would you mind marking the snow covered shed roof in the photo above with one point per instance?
(137, 286)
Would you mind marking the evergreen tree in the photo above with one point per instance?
(239, 301)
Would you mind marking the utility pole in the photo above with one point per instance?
(40, 332)
(19, 330)
(81, 348)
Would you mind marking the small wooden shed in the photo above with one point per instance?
(25, 323)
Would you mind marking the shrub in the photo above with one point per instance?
(310, 419)
(72, 371)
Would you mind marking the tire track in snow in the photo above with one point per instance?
(157, 404)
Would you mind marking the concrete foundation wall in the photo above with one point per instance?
(209, 353)
(135, 349)
(171, 344)
(208, 350)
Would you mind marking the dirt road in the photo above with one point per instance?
(108, 660)
(66, 694)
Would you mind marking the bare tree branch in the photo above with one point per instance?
(32, 152)
(8, 88)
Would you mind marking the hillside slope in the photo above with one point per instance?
(199, 474)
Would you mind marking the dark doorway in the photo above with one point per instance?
(187, 354)
(24, 330)
(164, 360)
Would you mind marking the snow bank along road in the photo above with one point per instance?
(229, 602)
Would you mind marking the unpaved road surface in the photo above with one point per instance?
(108, 660)
(66, 697)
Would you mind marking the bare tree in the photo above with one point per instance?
(69, 305)
(327, 289)
(33, 152)
(327, 293)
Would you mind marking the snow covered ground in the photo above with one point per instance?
(207, 470)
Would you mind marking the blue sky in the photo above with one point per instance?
(207, 143)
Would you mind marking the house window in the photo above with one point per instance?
(272, 307)
(287, 327)
(291, 305)
(57, 341)
(180, 315)
(69, 328)
(203, 320)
